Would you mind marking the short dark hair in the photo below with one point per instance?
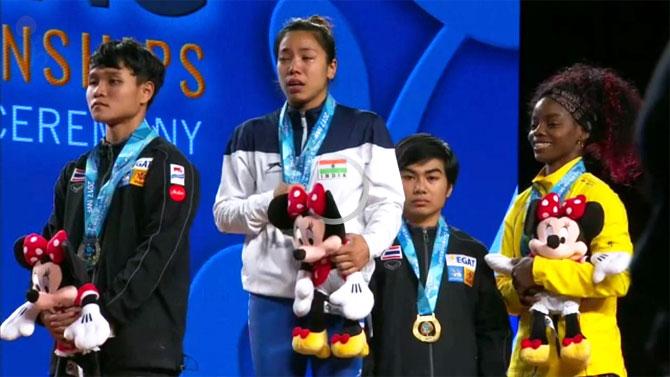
(127, 52)
(319, 26)
(422, 147)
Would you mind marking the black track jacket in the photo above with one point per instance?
(475, 327)
(143, 269)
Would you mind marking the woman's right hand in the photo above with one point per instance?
(283, 188)
(57, 320)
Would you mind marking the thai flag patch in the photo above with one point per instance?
(392, 253)
(78, 176)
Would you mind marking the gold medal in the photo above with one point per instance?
(427, 328)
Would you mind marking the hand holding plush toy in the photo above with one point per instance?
(562, 231)
(317, 231)
(91, 330)
(45, 259)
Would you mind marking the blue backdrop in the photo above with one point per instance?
(448, 68)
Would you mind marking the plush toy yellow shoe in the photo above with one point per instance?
(348, 346)
(576, 350)
(306, 342)
(534, 352)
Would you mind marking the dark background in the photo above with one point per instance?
(624, 35)
(630, 38)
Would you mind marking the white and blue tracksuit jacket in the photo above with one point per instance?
(357, 147)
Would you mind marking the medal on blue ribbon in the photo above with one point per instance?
(561, 188)
(97, 201)
(299, 169)
(426, 327)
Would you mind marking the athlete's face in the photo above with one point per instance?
(555, 135)
(426, 191)
(303, 70)
(114, 95)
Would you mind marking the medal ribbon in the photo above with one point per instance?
(97, 201)
(427, 296)
(299, 169)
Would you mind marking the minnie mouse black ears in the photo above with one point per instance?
(283, 211)
(33, 248)
(591, 216)
(278, 213)
(18, 253)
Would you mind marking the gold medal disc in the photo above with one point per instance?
(427, 328)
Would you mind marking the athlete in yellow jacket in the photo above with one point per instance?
(566, 277)
(580, 119)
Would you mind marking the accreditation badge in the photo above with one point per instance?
(427, 328)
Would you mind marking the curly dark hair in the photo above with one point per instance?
(606, 106)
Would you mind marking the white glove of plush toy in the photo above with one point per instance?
(304, 293)
(354, 297)
(20, 323)
(91, 329)
(499, 263)
(609, 264)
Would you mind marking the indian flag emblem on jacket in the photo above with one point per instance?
(329, 169)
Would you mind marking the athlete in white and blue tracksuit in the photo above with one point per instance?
(357, 148)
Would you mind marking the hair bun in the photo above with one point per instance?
(321, 21)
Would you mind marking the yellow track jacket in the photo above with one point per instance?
(598, 301)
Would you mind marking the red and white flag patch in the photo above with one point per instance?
(78, 176)
(177, 174)
(392, 253)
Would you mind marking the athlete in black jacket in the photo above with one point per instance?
(475, 334)
(141, 266)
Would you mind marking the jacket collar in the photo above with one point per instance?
(546, 182)
(311, 116)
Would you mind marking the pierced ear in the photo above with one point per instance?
(530, 225)
(278, 213)
(592, 221)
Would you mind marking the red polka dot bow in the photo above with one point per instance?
(36, 248)
(300, 202)
(550, 206)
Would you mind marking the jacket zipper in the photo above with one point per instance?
(426, 264)
(110, 157)
(303, 123)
